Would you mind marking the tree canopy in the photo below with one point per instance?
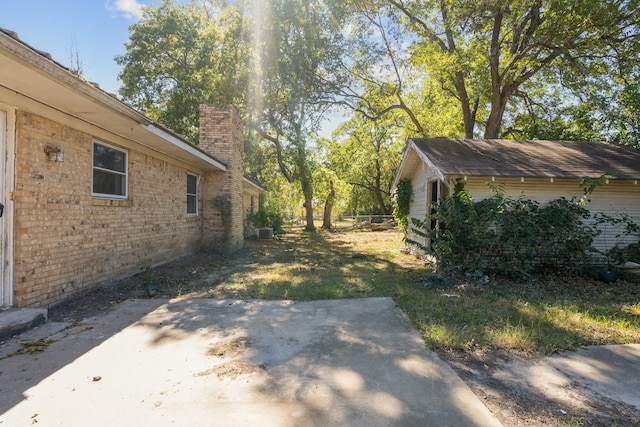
(182, 55)
(494, 56)
(271, 59)
(297, 44)
(399, 68)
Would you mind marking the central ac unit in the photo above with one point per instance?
(264, 233)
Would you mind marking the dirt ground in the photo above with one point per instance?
(502, 380)
(499, 378)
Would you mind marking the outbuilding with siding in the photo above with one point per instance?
(538, 170)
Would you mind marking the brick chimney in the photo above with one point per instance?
(221, 137)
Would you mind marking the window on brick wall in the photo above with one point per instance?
(192, 194)
(109, 171)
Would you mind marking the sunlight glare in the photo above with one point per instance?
(260, 9)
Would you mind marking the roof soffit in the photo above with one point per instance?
(35, 77)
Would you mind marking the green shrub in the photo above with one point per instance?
(510, 236)
(621, 254)
(264, 218)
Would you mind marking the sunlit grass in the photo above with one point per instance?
(545, 314)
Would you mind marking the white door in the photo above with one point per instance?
(6, 289)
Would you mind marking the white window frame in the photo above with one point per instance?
(189, 174)
(125, 173)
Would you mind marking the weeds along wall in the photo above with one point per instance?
(65, 240)
(510, 228)
(614, 197)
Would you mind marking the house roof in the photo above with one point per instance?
(522, 158)
(248, 183)
(32, 79)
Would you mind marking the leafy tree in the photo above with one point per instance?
(366, 154)
(383, 84)
(608, 111)
(488, 55)
(299, 43)
(272, 59)
(182, 55)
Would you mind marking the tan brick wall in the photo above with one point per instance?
(65, 240)
(221, 137)
(212, 216)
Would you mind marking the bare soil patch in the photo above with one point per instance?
(177, 277)
(229, 348)
(502, 380)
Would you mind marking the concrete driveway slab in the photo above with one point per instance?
(202, 362)
(612, 370)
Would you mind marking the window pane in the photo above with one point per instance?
(192, 204)
(108, 183)
(192, 184)
(108, 158)
(192, 194)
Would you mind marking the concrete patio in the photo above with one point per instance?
(209, 362)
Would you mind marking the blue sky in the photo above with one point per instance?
(96, 29)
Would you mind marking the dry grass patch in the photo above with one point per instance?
(545, 314)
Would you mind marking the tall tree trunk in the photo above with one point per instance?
(378, 188)
(307, 190)
(468, 115)
(328, 207)
(380, 198)
(494, 121)
(498, 95)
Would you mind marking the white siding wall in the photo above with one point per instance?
(418, 208)
(619, 196)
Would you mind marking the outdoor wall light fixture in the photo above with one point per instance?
(55, 153)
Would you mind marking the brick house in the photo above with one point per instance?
(93, 190)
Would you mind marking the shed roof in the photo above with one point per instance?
(528, 158)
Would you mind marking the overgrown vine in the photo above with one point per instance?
(402, 203)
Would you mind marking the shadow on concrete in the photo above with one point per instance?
(31, 357)
(234, 362)
(227, 362)
(343, 362)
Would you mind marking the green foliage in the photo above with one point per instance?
(494, 59)
(625, 226)
(182, 55)
(366, 154)
(267, 218)
(510, 236)
(402, 202)
(297, 46)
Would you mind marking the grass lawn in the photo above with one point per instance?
(544, 315)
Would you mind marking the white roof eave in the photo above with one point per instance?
(412, 147)
(183, 146)
(247, 183)
(39, 79)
